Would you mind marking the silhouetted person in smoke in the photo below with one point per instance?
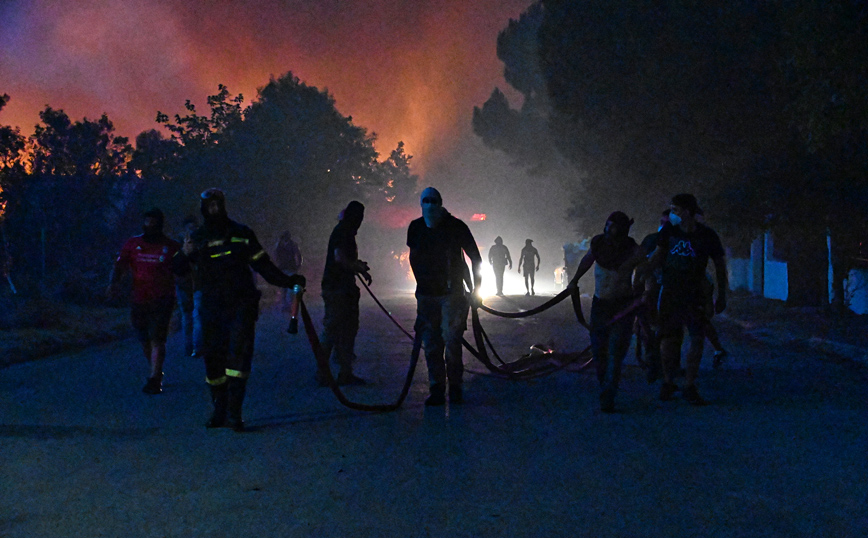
(528, 254)
(647, 283)
(340, 294)
(438, 242)
(149, 258)
(186, 303)
(287, 258)
(498, 257)
(683, 249)
(614, 254)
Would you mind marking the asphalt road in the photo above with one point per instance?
(782, 449)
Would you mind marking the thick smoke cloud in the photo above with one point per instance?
(408, 71)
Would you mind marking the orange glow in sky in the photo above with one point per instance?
(408, 71)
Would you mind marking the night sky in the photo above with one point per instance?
(406, 70)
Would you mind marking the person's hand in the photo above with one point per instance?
(720, 304)
(367, 276)
(299, 280)
(648, 298)
(475, 300)
(188, 247)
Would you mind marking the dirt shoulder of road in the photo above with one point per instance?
(39, 328)
(844, 334)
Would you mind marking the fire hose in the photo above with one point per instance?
(525, 368)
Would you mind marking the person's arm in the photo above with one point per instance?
(722, 283)
(520, 260)
(508, 258)
(468, 244)
(119, 269)
(352, 264)
(586, 263)
(536, 253)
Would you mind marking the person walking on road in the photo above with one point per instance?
(498, 257)
(438, 242)
(287, 258)
(149, 257)
(186, 304)
(614, 255)
(340, 294)
(528, 254)
(222, 252)
(683, 249)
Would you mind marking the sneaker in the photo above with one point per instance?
(456, 394)
(719, 357)
(350, 379)
(153, 386)
(236, 424)
(692, 395)
(216, 421)
(527, 294)
(667, 391)
(437, 397)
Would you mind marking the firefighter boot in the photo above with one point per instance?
(237, 389)
(219, 398)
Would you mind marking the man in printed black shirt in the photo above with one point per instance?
(438, 242)
(683, 249)
(340, 294)
(222, 252)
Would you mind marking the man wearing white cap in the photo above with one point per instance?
(438, 242)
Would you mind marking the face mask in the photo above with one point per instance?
(432, 215)
(151, 232)
(674, 219)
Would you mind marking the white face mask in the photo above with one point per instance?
(674, 219)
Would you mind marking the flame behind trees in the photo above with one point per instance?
(75, 190)
(289, 159)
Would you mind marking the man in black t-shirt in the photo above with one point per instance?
(438, 242)
(683, 249)
(498, 257)
(340, 294)
(528, 254)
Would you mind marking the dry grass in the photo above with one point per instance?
(40, 328)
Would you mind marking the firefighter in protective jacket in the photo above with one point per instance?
(222, 253)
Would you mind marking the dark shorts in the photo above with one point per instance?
(678, 309)
(151, 320)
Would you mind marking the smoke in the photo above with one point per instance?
(408, 71)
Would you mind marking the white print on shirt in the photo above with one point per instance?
(683, 248)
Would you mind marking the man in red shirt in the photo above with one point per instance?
(149, 258)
